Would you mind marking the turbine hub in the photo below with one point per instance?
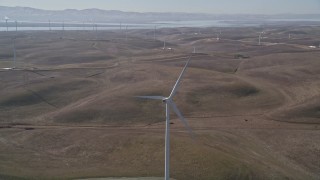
(165, 100)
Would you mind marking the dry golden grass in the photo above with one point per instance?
(70, 111)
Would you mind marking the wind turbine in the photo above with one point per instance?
(126, 32)
(62, 30)
(6, 19)
(154, 34)
(169, 103)
(14, 56)
(16, 25)
(14, 53)
(260, 38)
(92, 25)
(96, 27)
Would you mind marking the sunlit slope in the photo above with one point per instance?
(115, 153)
(69, 110)
(108, 95)
(296, 77)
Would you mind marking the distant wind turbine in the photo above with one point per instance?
(14, 53)
(16, 25)
(260, 38)
(96, 26)
(169, 103)
(14, 56)
(6, 19)
(154, 34)
(92, 25)
(127, 33)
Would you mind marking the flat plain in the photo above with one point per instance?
(69, 110)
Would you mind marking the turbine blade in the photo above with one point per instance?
(176, 110)
(176, 86)
(150, 97)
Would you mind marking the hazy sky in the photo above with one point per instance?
(203, 6)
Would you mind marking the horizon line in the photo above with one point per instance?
(163, 12)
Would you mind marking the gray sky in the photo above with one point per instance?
(202, 6)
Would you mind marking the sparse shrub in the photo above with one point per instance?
(241, 56)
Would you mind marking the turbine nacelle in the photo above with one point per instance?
(165, 100)
(169, 100)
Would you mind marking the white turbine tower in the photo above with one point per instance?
(92, 25)
(154, 33)
(126, 32)
(169, 103)
(6, 19)
(14, 56)
(260, 38)
(16, 25)
(62, 36)
(96, 27)
(14, 53)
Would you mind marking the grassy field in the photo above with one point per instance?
(68, 111)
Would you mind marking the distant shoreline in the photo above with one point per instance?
(56, 26)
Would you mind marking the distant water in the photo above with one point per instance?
(200, 23)
(44, 26)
